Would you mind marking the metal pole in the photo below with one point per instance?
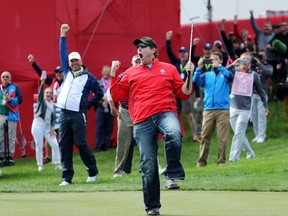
(209, 8)
(190, 49)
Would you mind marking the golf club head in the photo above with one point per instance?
(193, 18)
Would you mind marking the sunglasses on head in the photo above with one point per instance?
(142, 45)
(137, 61)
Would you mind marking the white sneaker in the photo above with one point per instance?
(117, 174)
(64, 183)
(255, 139)
(260, 140)
(171, 185)
(161, 170)
(91, 179)
(154, 211)
(251, 156)
(40, 168)
(58, 167)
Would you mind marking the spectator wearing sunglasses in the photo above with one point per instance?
(10, 98)
(151, 87)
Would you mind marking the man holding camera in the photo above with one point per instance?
(258, 117)
(216, 83)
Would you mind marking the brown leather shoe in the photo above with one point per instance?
(198, 138)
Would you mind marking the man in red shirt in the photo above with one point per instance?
(151, 87)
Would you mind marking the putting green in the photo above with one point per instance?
(174, 203)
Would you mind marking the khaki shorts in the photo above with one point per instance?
(187, 106)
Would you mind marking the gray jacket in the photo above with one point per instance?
(43, 111)
(245, 102)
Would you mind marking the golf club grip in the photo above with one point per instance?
(188, 78)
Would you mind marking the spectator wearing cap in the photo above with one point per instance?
(207, 50)
(73, 102)
(151, 87)
(251, 44)
(217, 47)
(231, 43)
(183, 106)
(231, 35)
(56, 85)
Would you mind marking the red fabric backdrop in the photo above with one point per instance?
(101, 31)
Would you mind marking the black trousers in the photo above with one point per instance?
(73, 131)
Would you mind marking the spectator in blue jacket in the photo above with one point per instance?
(216, 83)
(11, 98)
(180, 62)
(73, 101)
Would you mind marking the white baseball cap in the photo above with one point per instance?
(217, 42)
(74, 55)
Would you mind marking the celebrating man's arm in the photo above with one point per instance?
(189, 68)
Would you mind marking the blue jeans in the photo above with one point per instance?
(146, 134)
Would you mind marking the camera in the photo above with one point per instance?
(282, 89)
(255, 55)
(244, 61)
(207, 61)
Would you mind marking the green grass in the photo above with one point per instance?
(126, 203)
(268, 172)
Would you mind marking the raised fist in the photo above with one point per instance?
(196, 41)
(169, 35)
(114, 67)
(31, 58)
(65, 28)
